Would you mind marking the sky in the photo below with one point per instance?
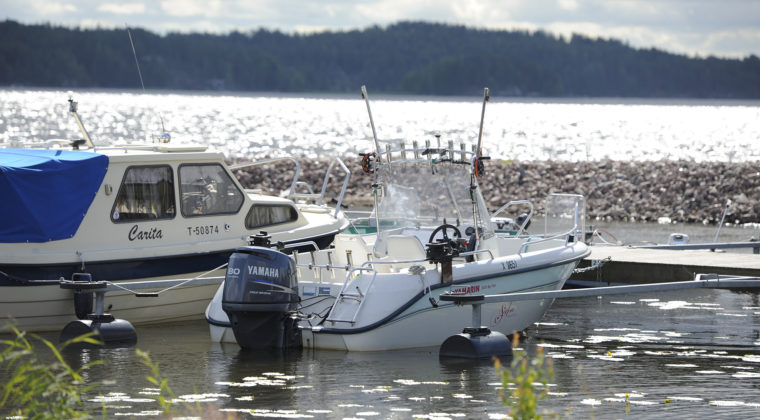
(722, 28)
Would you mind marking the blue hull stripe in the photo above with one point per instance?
(114, 270)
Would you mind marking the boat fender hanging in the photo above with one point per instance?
(367, 162)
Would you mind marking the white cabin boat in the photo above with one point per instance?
(135, 212)
(381, 290)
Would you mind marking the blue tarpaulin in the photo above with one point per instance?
(44, 194)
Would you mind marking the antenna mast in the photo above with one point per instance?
(165, 136)
(137, 63)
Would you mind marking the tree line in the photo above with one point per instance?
(407, 57)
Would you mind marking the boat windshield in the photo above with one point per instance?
(423, 194)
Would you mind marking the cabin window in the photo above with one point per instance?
(208, 190)
(262, 215)
(146, 193)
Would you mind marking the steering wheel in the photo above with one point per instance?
(445, 227)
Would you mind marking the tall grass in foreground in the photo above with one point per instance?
(37, 390)
(34, 389)
(525, 382)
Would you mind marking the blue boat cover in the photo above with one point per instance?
(44, 194)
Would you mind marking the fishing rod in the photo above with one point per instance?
(486, 98)
(371, 121)
(477, 165)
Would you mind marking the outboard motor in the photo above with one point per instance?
(260, 296)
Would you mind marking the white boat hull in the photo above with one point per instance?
(50, 308)
(423, 325)
(387, 321)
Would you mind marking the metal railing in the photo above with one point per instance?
(514, 203)
(309, 195)
(358, 296)
(270, 161)
(572, 233)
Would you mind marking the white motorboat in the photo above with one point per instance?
(137, 212)
(381, 290)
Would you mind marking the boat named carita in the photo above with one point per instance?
(153, 233)
(137, 213)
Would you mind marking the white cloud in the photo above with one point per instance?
(386, 11)
(53, 8)
(567, 4)
(733, 43)
(123, 8)
(188, 8)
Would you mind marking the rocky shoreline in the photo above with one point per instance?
(684, 192)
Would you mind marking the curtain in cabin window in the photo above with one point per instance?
(146, 193)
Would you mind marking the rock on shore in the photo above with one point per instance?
(684, 192)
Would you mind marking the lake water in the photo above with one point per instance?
(686, 354)
(254, 125)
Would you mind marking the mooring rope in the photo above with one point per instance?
(198, 277)
(594, 266)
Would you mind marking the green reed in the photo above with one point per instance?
(34, 389)
(525, 383)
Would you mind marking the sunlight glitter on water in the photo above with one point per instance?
(243, 125)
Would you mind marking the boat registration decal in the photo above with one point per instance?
(202, 230)
(509, 265)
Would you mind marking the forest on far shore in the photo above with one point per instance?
(406, 58)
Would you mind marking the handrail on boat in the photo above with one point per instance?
(310, 195)
(369, 263)
(347, 176)
(572, 233)
(513, 203)
(273, 160)
(327, 266)
(567, 235)
(461, 254)
(356, 295)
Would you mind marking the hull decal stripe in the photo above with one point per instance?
(421, 294)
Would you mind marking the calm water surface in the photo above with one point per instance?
(688, 354)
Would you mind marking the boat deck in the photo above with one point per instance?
(639, 265)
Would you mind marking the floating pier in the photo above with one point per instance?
(656, 264)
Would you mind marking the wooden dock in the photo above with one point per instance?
(623, 264)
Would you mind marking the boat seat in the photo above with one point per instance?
(359, 251)
(404, 247)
